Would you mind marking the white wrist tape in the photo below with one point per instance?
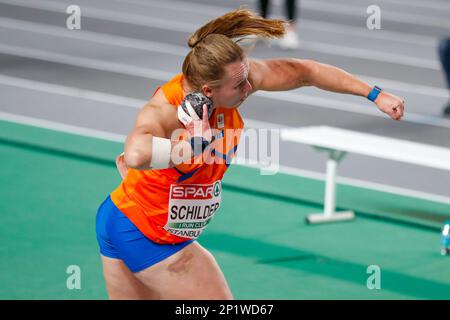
(161, 150)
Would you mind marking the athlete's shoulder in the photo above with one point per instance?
(257, 70)
(173, 90)
(158, 112)
(165, 99)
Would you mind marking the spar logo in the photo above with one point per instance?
(196, 191)
(217, 189)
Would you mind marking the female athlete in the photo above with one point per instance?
(147, 227)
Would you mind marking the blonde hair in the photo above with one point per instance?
(215, 45)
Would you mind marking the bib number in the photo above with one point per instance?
(192, 207)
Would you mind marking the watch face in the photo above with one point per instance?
(374, 93)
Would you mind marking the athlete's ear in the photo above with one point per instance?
(207, 90)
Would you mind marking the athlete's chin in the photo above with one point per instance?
(239, 103)
(234, 104)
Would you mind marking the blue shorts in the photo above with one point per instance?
(119, 238)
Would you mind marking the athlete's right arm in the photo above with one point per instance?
(150, 138)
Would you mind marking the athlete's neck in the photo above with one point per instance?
(185, 86)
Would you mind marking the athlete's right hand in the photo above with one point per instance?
(200, 127)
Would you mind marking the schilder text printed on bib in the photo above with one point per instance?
(191, 208)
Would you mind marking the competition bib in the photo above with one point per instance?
(191, 208)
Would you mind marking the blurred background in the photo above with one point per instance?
(69, 98)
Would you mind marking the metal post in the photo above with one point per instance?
(330, 214)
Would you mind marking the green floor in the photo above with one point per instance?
(52, 184)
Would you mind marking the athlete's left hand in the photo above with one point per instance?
(121, 165)
(390, 104)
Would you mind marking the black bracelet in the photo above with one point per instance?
(198, 145)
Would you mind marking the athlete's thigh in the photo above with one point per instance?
(191, 273)
(121, 282)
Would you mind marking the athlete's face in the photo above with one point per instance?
(235, 86)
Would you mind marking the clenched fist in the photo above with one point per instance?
(390, 104)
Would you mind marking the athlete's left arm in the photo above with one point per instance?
(290, 73)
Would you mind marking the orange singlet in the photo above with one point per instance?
(175, 204)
